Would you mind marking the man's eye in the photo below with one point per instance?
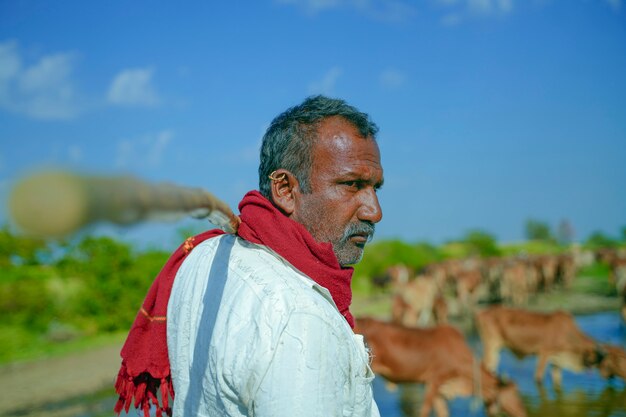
(353, 184)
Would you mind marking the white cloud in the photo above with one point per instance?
(313, 6)
(327, 84)
(42, 90)
(454, 11)
(490, 7)
(480, 6)
(10, 61)
(392, 78)
(457, 11)
(388, 10)
(133, 87)
(158, 146)
(505, 5)
(615, 4)
(144, 152)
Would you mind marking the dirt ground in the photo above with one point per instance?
(28, 387)
(55, 387)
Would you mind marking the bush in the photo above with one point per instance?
(95, 286)
(380, 255)
(598, 240)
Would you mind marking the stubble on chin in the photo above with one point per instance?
(346, 251)
(348, 256)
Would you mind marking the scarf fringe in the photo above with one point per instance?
(142, 392)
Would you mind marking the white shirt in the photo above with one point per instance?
(249, 335)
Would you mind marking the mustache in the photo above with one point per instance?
(359, 228)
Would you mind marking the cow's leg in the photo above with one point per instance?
(425, 316)
(429, 397)
(411, 317)
(391, 386)
(542, 362)
(491, 354)
(441, 406)
(557, 376)
(463, 296)
(490, 338)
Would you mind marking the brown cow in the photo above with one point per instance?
(546, 268)
(618, 275)
(514, 286)
(440, 358)
(554, 337)
(566, 270)
(399, 274)
(614, 364)
(468, 286)
(418, 302)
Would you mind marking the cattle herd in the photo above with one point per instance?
(419, 346)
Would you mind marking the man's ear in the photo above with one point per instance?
(283, 185)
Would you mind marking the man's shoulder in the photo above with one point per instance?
(258, 275)
(246, 258)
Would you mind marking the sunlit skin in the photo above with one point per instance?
(342, 207)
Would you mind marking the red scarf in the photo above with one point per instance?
(145, 363)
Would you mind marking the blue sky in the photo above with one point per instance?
(491, 112)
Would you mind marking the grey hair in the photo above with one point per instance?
(289, 140)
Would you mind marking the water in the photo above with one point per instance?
(582, 395)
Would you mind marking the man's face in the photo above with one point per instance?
(342, 206)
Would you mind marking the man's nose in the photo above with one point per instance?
(370, 207)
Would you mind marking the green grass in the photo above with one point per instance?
(531, 247)
(596, 270)
(18, 345)
(594, 279)
(372, 305)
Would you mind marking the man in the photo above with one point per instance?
(259, 323)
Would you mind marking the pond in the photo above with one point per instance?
(582, 395)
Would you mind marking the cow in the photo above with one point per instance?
(402, 312)
(440, 358)
(493, 269)
(614, 364)
(468, 288)
(399, 274)
(617, 276)
(566, 270)
(554, 337)
(514, 286)
(546, 266)
(418, 302)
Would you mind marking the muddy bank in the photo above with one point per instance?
(28, 387)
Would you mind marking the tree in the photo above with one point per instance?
(481, 243)
(565, 232)
(537, 230)
(599, 240)
(22, 250)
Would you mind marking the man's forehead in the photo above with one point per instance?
(343, 151)
(337, 125)
(344, 145)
